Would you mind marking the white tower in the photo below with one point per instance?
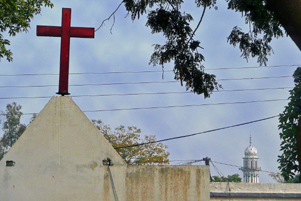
(250, 167)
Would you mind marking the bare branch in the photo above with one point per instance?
(113, 14)
(198, 24)
(112, 24)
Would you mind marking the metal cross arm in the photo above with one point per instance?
(75, 32)
(65, 32)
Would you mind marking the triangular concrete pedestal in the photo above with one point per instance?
(60, 158)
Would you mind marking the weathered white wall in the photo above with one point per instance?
(59, 157)
(183, 183)
(224, 191)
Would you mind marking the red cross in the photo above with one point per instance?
(65, 32)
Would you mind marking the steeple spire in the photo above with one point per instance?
(250, 140)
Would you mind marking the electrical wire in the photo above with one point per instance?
(173, 106)
(150, 71)
(241, 167)
(87, 73)
(195, 161)
(258, 89)
(217, 170)
(80, 85)
(199, 133)
(255, 78)
(253, 67)
(180, 106)
(147, 82)
(137, 94)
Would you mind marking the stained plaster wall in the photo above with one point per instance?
(183, 183)
(59, 157)
(233, 191)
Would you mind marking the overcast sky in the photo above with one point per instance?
(128, 49)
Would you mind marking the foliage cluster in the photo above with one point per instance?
(12, 127)
(280, 179)
(290, 126)
(167, 17)
(263, 27)
(15, 17)
(154, 153)
(230, 178)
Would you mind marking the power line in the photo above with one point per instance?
(150, 71)
(216, 169)
(189, 162)
(258, 89)
(87, 73)
(255, 78)
(175, 106)
(239, 166)
(179, 106)
(199, 133)
(147, 82)
(252, 67)
(195, 161)
(137, 94)
(80, 85)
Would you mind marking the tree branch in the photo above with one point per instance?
(172, 5)
(113, 14)
(201, 19)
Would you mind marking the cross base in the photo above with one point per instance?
(63, 93)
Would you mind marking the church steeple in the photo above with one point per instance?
(250, 167)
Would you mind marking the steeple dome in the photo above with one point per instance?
(250, 151)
